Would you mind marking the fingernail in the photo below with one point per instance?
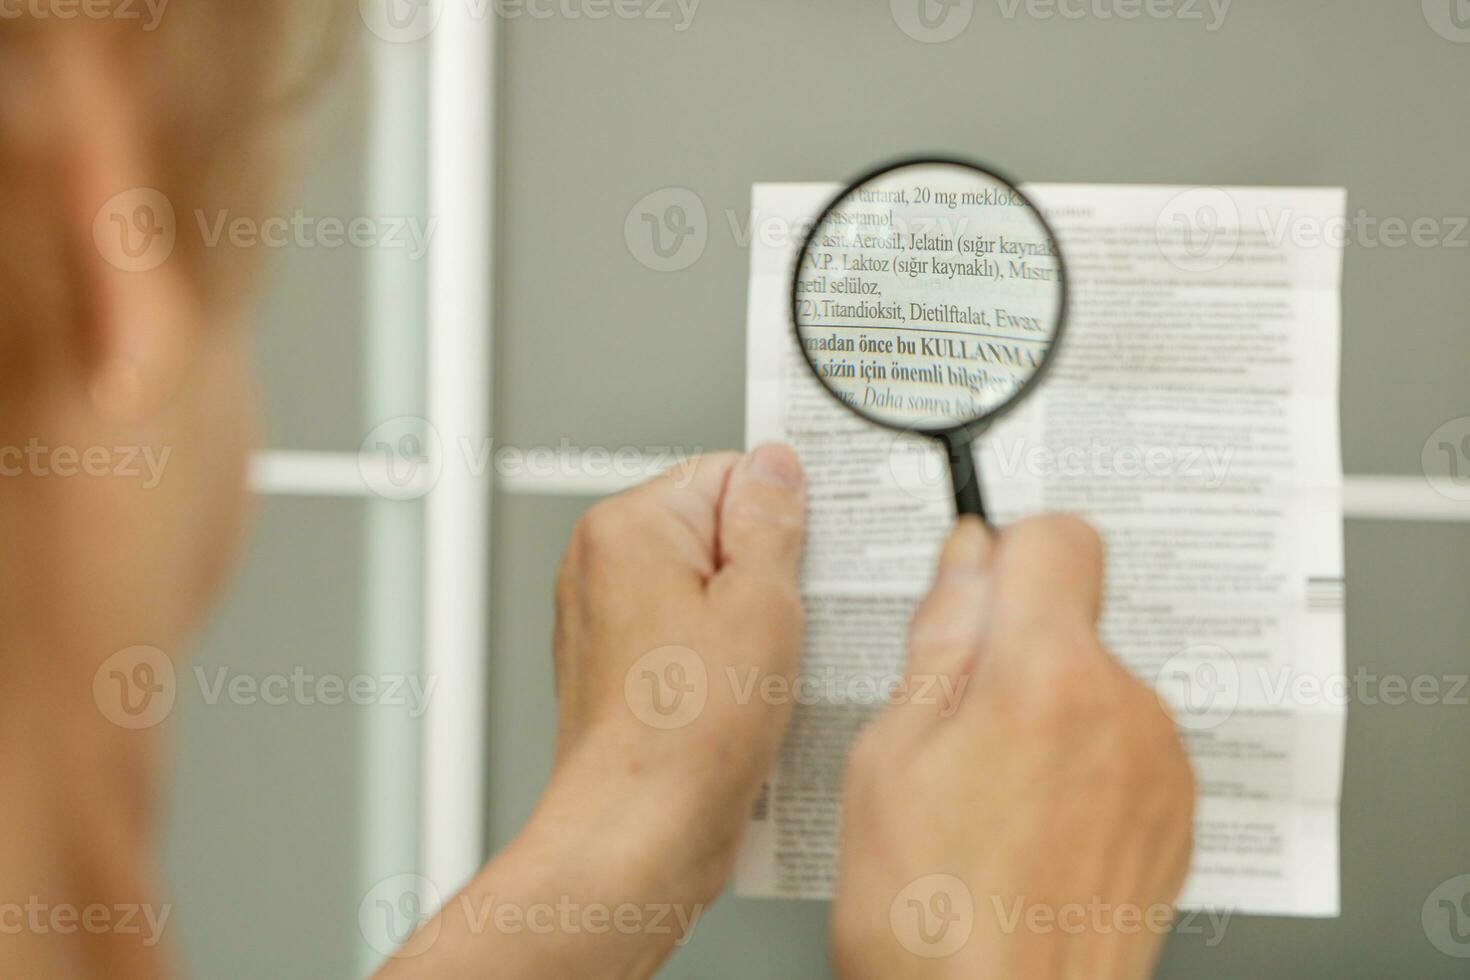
(777, 464)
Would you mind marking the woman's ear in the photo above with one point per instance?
(137, 316)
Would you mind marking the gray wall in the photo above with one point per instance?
(596, 348)
(1353, 93)
(263, 832)
(262, 842)
(1405, 793)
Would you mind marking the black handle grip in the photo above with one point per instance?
(965, 477)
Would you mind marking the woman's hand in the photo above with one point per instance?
(1043, 829)
(671, 598)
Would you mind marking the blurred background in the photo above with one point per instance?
(545, 132)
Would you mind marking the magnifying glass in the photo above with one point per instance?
(929, 297)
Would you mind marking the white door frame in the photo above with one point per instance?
(447, 792)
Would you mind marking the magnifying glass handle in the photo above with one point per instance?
(965, 479)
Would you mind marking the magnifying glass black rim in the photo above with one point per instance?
(964, 430)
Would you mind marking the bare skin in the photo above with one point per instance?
(93, 564)
(1044, 828)
(1057, 778)
(701, 578)
(1059, 783)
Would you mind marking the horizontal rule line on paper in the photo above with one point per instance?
(919, 327)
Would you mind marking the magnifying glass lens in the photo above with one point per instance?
(929, 296)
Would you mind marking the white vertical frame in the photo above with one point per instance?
(388, 758)
(462, 175)
(434, 777)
